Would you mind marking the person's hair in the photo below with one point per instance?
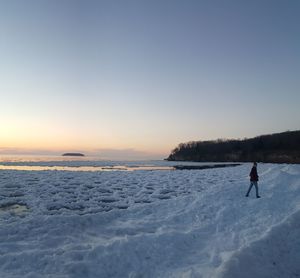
(255, 163)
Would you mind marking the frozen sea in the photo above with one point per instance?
(91, 218)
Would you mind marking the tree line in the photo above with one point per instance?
(274, 148)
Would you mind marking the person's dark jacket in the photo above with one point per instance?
(253, 174)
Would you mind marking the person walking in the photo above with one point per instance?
(253, 180)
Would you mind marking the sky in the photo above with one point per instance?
(139, 77)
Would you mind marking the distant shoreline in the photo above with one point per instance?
(281, 147)
(204, 167)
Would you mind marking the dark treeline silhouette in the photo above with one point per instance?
(274, 148)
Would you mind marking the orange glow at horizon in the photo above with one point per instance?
(36, 137)
(61, 134)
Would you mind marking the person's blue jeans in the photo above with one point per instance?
(250, 187)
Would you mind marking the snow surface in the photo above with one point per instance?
(185, 223)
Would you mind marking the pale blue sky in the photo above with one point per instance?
(146, 75)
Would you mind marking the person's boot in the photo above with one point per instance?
(257, 196)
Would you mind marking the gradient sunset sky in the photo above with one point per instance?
(142, 76)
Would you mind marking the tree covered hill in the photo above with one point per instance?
(274, 148)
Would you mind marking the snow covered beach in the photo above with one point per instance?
(187, 223)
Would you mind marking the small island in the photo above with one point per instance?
(73, 154)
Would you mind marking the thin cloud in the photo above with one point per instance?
(130, 154)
